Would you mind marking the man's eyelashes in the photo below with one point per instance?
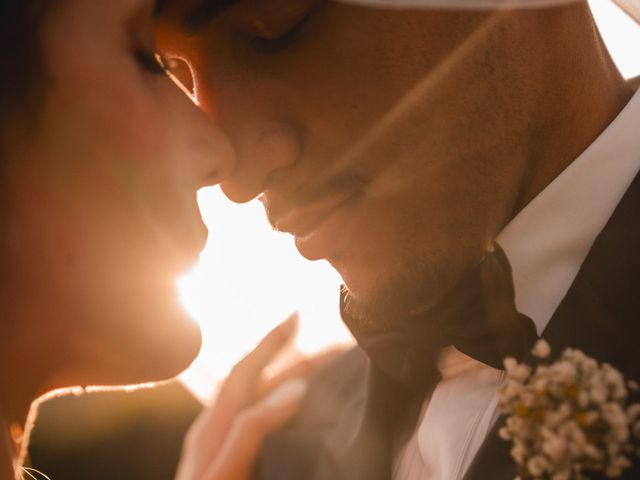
(271, 42)
(273, 26)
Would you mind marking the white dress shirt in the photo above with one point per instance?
(546, 243)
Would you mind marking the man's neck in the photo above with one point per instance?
(581, 93)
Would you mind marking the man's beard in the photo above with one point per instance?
(410, 293)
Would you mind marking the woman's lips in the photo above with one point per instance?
(319, 228)
(193, 240)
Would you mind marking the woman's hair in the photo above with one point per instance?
(23, 78)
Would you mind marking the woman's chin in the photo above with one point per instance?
(119, 337)
(179, 355)
(143, 367)
(144, 345)
(165, 353)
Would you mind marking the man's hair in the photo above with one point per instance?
(23, 77)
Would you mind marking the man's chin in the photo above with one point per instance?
(384, 307)
(381, 300)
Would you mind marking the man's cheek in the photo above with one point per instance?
(376, 246)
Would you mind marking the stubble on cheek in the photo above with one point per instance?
(396, 265)
(409, 286)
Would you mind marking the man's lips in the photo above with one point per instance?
(315, 226)
(301, 221)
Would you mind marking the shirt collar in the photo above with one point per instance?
(547, 242)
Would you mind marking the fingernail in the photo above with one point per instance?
(289, 392)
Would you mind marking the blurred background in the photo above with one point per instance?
(249, 279)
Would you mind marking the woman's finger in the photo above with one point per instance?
(240, 388)
(270, 346)
(208, 433)
(237, 457)
(300, 368)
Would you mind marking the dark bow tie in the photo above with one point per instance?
(478, 316)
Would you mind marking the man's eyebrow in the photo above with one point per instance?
(204, 11)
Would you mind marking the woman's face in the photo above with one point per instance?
(100, 197)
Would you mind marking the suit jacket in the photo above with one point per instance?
(600, 315)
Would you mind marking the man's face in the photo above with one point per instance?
(360, 129)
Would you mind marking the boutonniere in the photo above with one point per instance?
(569, 417)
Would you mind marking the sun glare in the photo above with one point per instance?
(250, 278)
(621, 34)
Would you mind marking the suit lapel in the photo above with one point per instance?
(296, 451)
(361, 448)
(599, 315)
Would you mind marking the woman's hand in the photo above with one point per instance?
(225, 440)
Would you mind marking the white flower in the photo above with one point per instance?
(518, 452)
(510, 363)
(559, 415)
(598, 392)
(554, 446)
(516, 425)
(541, 349)
(583, 399)
(510, 390)
(568, 417)
(615, 416)
(576, 438)
(615, 381)
(537, 465)
(516, 371)
(564, 372)
(540, 384)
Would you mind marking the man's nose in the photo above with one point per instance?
(264, 154)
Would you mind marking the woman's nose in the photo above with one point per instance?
(218, 156)
(203, 154)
